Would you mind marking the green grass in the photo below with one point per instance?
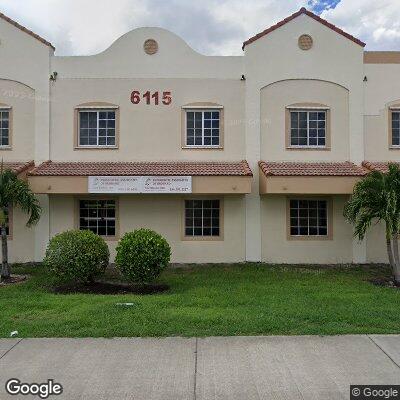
(241, 299)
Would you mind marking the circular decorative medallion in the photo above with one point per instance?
(305, 42)
(150, 46)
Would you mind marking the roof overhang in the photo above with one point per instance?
(200, 177)
(200, 184)
(19, 168)
(303, 11)
(307, 184)
(309, 178)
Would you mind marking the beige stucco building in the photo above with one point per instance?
(239, 158)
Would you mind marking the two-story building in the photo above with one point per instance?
(237, 158)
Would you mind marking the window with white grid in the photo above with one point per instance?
(97, 128)
(308, 218)
(97, 216)
(4, 127)
(203, 128)
(395, 128)
(308, 128)
(202, 218)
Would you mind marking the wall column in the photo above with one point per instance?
(42, 229)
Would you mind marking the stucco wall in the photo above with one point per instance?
(164, 214)
(382, 89)
(147, 132)
(376, 244)
(21, 246)
(276, 248)
(21, 99)
(274, 100)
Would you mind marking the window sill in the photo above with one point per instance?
(110, 238)
(394, 147)
(5, 148)
(96, 148)
(202, 147)
(202, 238)
(310, 238)
(308, 148)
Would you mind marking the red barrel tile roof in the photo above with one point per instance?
(18, 166)
(311, 169)
(295, 15)
(193, 168)
(381, 166)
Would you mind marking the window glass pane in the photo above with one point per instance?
(4, 128)
(307, 127)
(308, 217)
(96, 124)
(202, 217)
(97, 216)
(202, 128)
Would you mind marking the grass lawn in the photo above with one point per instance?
(242, 299)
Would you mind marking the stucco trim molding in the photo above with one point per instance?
(197, 107)
(329, 202)
(307, 107)
(96, 105)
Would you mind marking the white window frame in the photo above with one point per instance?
(392, 111)
(203, 110)
(308, 110)
(97, 111)
(7, 109)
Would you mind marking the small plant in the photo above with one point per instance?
(79, 256)
(142, 255)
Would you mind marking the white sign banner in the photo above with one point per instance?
(140, 184)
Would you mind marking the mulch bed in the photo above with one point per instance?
(14, 279)
(384, 282)
(110, 288)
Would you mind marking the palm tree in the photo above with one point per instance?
(14, 192)
(376, 198)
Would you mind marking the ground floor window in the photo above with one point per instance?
(98, 216)
(202, 218)
(308, 217)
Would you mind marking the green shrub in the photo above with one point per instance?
(75, 255)
(142, 255)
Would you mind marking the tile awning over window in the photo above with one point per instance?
(381, 166)
(311, 169)
(18, 167)
(162, 168)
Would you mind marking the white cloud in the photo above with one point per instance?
(375, 22)
(209, 26)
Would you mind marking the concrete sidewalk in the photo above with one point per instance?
(234, 368)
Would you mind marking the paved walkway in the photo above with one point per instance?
(234, 368)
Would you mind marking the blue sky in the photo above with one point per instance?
(212, 27)
(321, 5)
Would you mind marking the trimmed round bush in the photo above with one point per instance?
(142, 255)
(75, 255)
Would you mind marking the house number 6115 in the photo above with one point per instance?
(165, 97)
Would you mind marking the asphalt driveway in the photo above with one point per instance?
(234, 368)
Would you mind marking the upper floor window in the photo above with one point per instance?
(4, 127)
(395, 128)
(203, 128)
(308, 128)
(97, 128)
